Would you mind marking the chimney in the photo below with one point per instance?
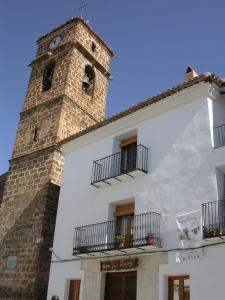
(190, 73)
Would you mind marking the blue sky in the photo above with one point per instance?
(153, 41)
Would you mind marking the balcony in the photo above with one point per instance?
(137, 233)
(219, 136)
(115, 167)
(213, 219)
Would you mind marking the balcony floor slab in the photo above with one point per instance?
(120, 178)
(119, 252)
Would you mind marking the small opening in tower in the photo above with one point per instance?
(35, 134)
(93, 47)
(48, 76)
(88, 80)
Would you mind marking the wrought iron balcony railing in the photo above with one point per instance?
(118, 164)
(219, 135)
(213, 219)
(122, 233)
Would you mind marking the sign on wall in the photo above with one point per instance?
(116, 265)
(190, 229)
(189, 255)
(11, 262)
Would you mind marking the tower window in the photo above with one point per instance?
(35, 134)
(88, 80)
(93, 47)
(48, 76)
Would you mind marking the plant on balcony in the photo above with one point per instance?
(208, 232)
(219, 231)
(150, 239)
(213, 231)
(120, 241)
(83, 249)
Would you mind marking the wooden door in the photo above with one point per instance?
(121, 286)
(74, 290)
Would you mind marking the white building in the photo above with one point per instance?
(127, 183)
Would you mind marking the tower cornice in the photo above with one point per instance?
(76, 20)
(54, 147)
(61, 98)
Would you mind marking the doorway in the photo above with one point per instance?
(128, 155)
(121, 286)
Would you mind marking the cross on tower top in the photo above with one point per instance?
(81, 8)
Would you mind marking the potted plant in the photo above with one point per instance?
(210, 232)
(205, 232)
(219, 231)
(120, 241)
(150, 239)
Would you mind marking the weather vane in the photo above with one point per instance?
(81, 8)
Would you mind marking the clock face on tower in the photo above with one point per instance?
(55, 42)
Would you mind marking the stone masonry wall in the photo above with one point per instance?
(73, 32)
(28, 214)
(35, 95)
(46, 118)
(54, 120)
(95, 103)
(3, 178)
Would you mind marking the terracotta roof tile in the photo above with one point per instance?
(205, 77)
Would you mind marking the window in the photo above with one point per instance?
(93, 47)
(74, 289)
(88, 80)
(48, 76)
(179, 287)
(35, 134)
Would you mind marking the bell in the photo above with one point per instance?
(86, 82)
(55, 297)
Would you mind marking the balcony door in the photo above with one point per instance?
(128, 155)
(125, 223)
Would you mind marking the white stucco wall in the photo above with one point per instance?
(182, 175)
(206, 274)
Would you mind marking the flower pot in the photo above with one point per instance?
(150, 240)
(221, 231)
(120, 244)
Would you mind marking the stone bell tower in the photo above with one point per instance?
(66, 93)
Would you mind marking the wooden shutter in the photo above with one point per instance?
(128, 141)
(124, 209)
